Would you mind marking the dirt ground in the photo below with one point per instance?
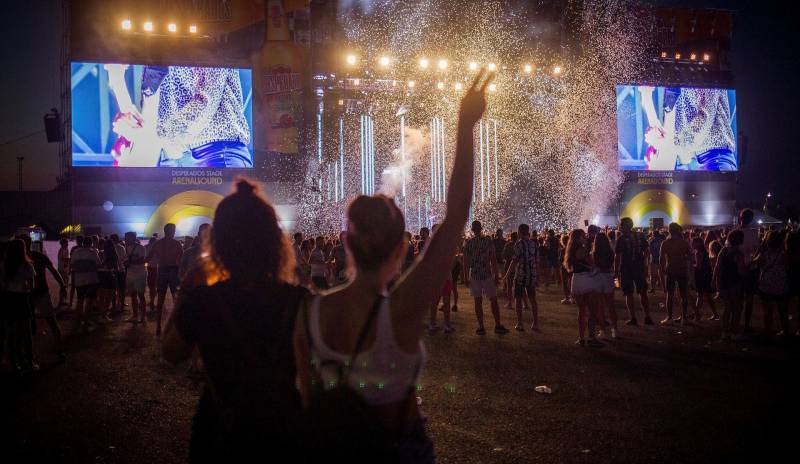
(658, 394)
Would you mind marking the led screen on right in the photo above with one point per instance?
(676, 128)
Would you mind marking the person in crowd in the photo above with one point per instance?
(339, 257)
(136, 277)
(630, 261)
(751, 241)
(152, 272)
(424, 233)
(318, 264)
(455, 274)
(17, 285)
(729, 274)
(41, 302)
(84, 264)
(703, 279)
(63, 269)
(167, 252)
(480, 269)
(654, 244)
(106, 274)
(242, 326)
(773, 283)
(524, 265)
(566, 275)
(377, 330)
(119, 247)
(674, 261)
(508, 256)
(603, 258)
(444, 297)
(191, 254)
(550, 257)
(578, 261)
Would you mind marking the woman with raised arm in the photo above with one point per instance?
(364, 338)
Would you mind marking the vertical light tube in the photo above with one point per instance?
(480, 149)
(444, 161)
(319, 135)
(363, 166)
(341, 155)
(336, 181)
(403, 151)
(371, 133)
(488, 164)
(433, 172)
(496, 172)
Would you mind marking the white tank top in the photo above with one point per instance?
(382, 374)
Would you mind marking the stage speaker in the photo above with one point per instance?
(52, 126)
(656, 223)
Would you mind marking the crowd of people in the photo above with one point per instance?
(315, 345)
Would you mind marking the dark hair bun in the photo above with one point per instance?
(375, 227)
(245, 187)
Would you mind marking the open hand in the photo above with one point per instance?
(473, 105)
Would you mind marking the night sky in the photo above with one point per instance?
(766, 65)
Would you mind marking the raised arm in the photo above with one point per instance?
(416, 289)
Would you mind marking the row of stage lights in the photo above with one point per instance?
(692, 57)
(442, 64)
(149, 26)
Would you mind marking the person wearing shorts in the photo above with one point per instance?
(674, 260)
(630, 260)
(524, 264)
(84, 264)
(135, 277)
(480, 268)
(168, 253)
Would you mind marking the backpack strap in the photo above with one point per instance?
(344, 371)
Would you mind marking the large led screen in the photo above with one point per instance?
(127, 115)
(676, 128)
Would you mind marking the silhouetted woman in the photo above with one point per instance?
(242, 326)
(370, 332)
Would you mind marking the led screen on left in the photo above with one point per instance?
(126, 115)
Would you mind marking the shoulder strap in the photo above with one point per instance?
(344, 371)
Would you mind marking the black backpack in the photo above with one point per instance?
(342, 427)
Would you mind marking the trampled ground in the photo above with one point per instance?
(659, 394)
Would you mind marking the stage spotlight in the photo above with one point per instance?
(384, 61)
(458, 86)
(126, 24)
(424, 63)
(341, 102)
(493, 87)
(557, 70)
(442, 64)
(148, 26)
(356, 81)
(440, 85)
(693, 56)
(473, 66)
(492, 67)
(411, 84)
(706, 57)
(664, 55)
(172, 27)
(677, 56)
(193, 29)
(528, 69)
(351, 59)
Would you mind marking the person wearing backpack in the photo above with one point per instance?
(773, 282)
(359, 351)
(242, 326)
(630, 255)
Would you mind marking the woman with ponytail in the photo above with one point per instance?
(242, 326)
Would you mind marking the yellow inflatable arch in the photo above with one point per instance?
(650, 201)
(183, 205)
